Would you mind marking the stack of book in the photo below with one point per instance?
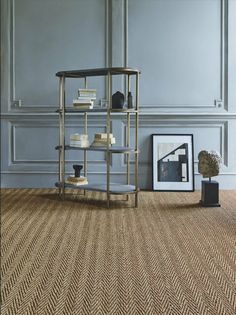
(80, 141)
(85, 99)
(77, 181)
(100, 140)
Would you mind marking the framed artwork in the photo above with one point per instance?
(172, 162)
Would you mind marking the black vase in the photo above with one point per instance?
(77, 169)
(118, 100)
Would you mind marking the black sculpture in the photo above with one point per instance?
(118, 100)
(77, 169)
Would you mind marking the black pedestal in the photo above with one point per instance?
(210, 194)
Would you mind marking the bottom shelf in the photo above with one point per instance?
(118, 189)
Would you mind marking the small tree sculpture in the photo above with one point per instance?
(209, 166)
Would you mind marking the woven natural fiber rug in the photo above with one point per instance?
(168, 257)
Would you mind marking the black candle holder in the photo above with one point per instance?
(77, 169)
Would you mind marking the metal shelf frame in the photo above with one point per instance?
(111, 188)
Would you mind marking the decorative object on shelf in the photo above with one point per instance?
(85, 99)
(80, 141)
(118, 100)
(209, 166)
(173, 162)
(103, 103)
(77, 169)
(130, 101)
(100, 140)
(77, 179)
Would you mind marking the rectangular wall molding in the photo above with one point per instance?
(219, 103)
(10, 101)
(16, 128)
(189, 127)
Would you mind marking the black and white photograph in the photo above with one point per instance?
(173, 162)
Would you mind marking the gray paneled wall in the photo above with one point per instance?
(175, 55)
(186, 51)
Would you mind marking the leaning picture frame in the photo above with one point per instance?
(172, 162)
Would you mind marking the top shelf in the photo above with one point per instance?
(96, 72)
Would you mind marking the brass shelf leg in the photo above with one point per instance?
(85, 152)
(62, 137)
(109, 88)
(136, 140)
(128, 143)
(128, 154)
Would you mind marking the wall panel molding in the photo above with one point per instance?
(219, 104)
(159, 125)
(14, 131)
(9, 101)
(143, 115)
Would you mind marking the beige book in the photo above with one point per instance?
(111, 141)
(101, 143)
(76, 180)
(75, 137)
(78, 183)
(87, 90)
(102, 135)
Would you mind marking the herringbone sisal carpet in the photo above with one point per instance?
(169, 256)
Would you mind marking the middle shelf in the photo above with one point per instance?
(112, 149)
(97, 110)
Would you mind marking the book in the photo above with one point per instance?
(102, 135)
(86, 98)
(102, 143)
(83, 107)
(79, 143)
(75, 143)
(79, 140)
(77, 181)
(87, 90)
(91, 93)
(75, 136)
(82, 102)
(77, 184)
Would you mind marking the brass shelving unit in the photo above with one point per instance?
(107, 187)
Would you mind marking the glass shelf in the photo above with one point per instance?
(116, 189)
(96, 72)
(113, 149)
(97, 110)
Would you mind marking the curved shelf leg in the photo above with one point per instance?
(108, 123)
(128, 143)
(136, 200)
(136, 140)
(62, 136)
(85, 152)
